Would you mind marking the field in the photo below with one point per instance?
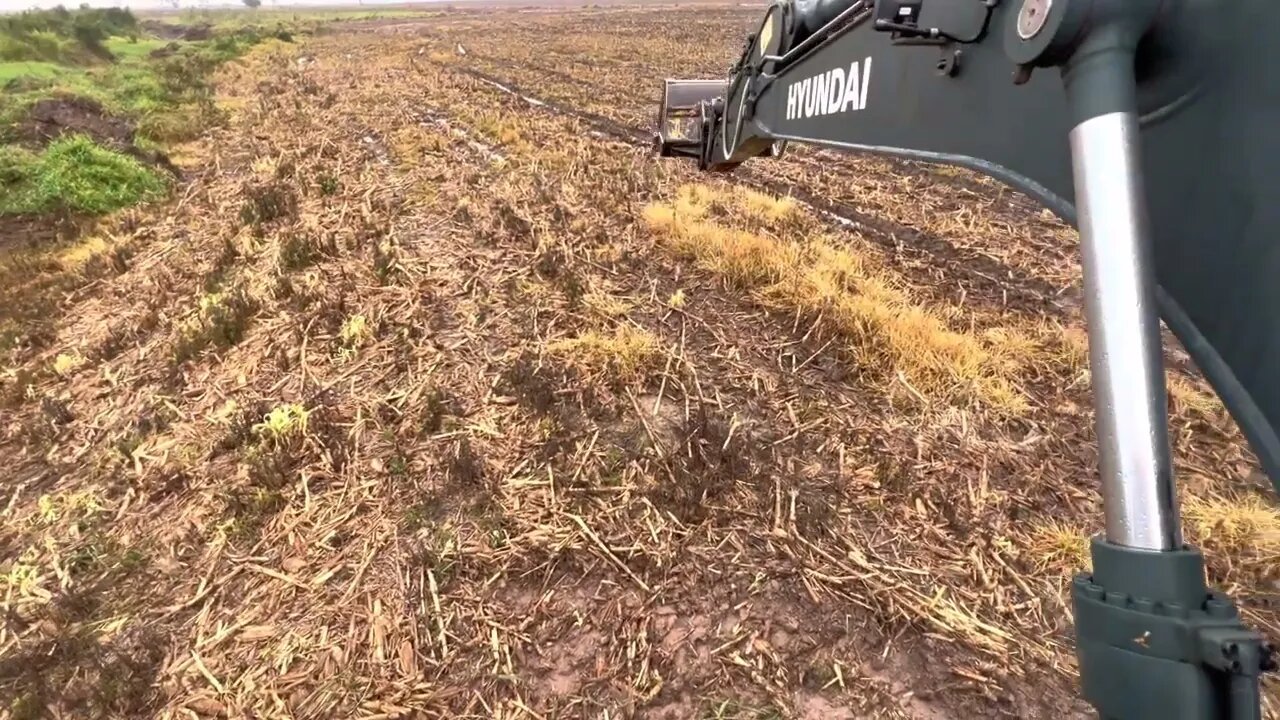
(427, 391)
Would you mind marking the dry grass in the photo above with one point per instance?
(1058, 547)
(746, 259)
(605, 305)
(355, 331)
(504, 130)
(1189, 397)
(625, 354)
(412, 142)
(81, 253)
(867, 305)
(764, 208)
(489, 451)
(219, 321)
(67, 363)
(1235, 526)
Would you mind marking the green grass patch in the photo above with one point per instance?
(35, 69)
(133, 49)
(103, 55)
(63, 36)
(73, 174)
(132, 90)
(169, 98)
(41, 46)
(17, 166)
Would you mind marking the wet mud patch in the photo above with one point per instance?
(53, 117)
(65, 115)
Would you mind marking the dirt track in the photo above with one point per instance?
(425, 400)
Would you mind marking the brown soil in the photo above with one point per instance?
(51, 118)
(23, 232)
(403, 407)
(175, 31)
(167, 51)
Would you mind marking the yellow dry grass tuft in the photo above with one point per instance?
(625, 354)
(1234, 525)
(355, 331)
(411, 142)
(190, 154)
(1076, 347)
(79, 254)
(1058, 546)
(284, 421)
(1188, 397)
(504, 130)
(764, 208)
(745, 259)
(261, 57)
(868, 306)
(1012, 349)
(606, 305)
(265, 167)
(66, 363)
(75, 505)
(695, 201)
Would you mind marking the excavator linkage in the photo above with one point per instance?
(682, 118)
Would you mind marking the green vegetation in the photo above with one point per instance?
(133, 48)
(74, 174)
(111, 90)
(169, 98)
(282, 422)
(35, 69)
(62, 36)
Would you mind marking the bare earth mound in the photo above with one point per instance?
(50, 118)
(432, 394)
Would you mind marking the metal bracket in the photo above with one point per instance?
(1173, 650)
(901, 18)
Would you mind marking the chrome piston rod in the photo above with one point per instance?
(1125, 358)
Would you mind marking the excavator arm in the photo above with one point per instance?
(1153, 126)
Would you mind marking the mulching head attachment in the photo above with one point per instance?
(683, 121)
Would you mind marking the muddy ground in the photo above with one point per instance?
(432, 393)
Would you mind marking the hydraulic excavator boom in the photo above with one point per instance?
(1153, 126)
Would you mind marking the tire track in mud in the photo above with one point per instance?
(1018, 291)
(1000, 283)
(822, 156)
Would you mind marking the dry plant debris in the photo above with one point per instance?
(432, 394)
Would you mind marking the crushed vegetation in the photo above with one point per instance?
(623, 354)
(417, 399)
(867, 305)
